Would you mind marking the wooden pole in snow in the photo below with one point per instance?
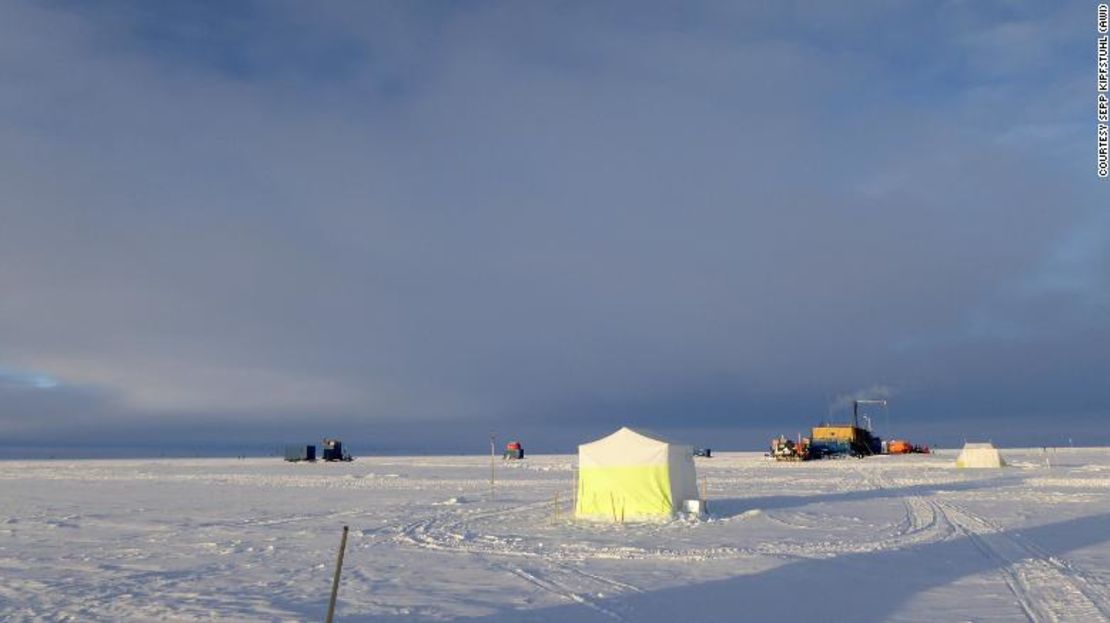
(492, 451)
(705, 494)
(573, 488)
(335, 580)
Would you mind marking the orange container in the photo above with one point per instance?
(898, 446)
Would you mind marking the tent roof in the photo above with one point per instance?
(979, 446)
(625, 432)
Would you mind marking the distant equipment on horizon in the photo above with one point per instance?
(901, 446)
(333, 451)
(295, 454)
(513, 451)
(838, 440)
(783, 449)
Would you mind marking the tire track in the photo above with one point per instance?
(924, 520)
(256, 522)
(544, 581)
(445, 532)
(450, 533)
(1046, 587)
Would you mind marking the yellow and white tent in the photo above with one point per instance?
(632, 475)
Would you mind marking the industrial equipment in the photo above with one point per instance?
(514, 451)
(901, 446)
(839, 440)
(295, 454)
(333, 451)
(783, 449)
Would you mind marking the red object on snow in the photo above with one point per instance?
(512, 445)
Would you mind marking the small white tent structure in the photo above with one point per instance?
(633, 475)
(979, 455)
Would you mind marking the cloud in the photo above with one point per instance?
(388, 214)
(26, 379)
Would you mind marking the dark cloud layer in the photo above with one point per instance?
(237, 223)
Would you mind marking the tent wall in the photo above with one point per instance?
(620, 493)
(684, 479)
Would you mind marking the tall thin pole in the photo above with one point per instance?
(574, 490)
(705, 494)
(889, 431)
(492, 452)
(335, 580)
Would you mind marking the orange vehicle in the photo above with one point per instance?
(899, 446)
(513, 450)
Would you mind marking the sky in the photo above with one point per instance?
(225, 226)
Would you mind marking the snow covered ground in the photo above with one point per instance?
(886, 538)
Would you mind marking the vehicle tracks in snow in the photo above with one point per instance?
(264, 522)
(1046, 587)
(923, 521)
(576, 586)
(450, 533)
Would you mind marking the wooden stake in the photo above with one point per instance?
(705, 494)
(492, 444)
(335, 580)
(574, 489)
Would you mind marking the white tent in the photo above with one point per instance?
(979, 455)
(633, 475)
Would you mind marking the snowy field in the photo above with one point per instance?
(881, 539)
